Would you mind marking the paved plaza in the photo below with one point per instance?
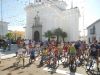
(7, 67)
(8, 58)
(7, 53)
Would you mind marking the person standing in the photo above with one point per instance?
(94, 52)
(0, 57)
(9, 44)
(32, 54)
(21, 55)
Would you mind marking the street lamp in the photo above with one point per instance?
(83, 24)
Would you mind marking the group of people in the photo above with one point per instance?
(52, 53)
(5, 44)
(27, 48)
(53, 50)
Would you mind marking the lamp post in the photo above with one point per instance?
(83, 28)
(84, 38)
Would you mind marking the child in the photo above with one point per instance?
(32, 55)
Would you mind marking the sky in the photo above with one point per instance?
(14, 13)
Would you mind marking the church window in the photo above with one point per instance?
(92, 30)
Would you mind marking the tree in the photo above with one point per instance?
(63, 35)
(58, 33)
(9, 35)
(48, 34)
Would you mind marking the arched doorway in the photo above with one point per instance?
(36, 36)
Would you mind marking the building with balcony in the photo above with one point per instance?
(94, 31)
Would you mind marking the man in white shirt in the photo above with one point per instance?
(21, 51)
(26, 42)
(21, 55)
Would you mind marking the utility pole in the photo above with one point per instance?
(1, 21)
(29, 1)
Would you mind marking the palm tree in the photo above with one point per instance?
(64, 35)
(48, 34)
(58, 32)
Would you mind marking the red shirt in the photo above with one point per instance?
(65, 48)
(55, 51)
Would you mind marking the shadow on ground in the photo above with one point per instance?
(8, 68)
(16, 68)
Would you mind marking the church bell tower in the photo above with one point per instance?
(37, 29)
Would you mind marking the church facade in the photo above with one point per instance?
(44, 15)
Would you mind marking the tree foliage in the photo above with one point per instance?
(9, 35)
(48, 34)
(63, 35)
(56, 32)
(14, 35)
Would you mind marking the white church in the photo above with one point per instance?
(44, 15)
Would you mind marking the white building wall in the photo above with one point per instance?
(3, 28)
(72, 24)
(29, 22)
(52, 17)
(97, 31)
(89, 35)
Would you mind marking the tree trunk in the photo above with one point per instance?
(63, 39)
(57, 39)
(48, 39)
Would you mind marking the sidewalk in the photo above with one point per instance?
(8, 54)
